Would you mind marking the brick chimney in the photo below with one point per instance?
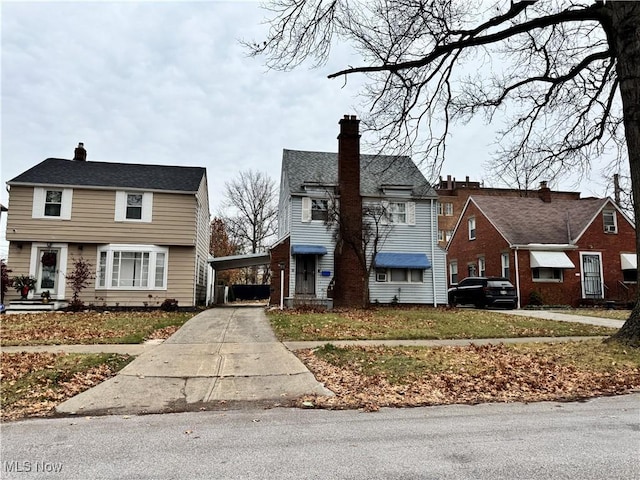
(349, 273)
(544, 192)
(80, 154)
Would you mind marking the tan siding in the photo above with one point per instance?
(92, 220)
(180, 279)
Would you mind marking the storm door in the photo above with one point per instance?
(305, 274)
(591, 275)
(48, 265)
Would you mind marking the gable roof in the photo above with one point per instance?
(56, 171)
(527, 220)
(376, 172)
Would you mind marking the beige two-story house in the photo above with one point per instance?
(144, 230)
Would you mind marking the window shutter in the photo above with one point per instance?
(411, 213)
(121, 206)
(147, 207)
(38, 203)
(306, 209)
(67, 202)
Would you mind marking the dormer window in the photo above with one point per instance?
(609, 220)
(472, 228)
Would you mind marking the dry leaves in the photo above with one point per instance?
(34, 383)
(492, 373)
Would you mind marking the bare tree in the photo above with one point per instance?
(563, 75)
(251, 199)
(222, 246)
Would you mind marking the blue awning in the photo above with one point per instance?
(402, 260)
(308, 250)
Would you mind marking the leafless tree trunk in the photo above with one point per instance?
(250, 212)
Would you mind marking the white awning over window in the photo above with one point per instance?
(550, 260)
(629, 261)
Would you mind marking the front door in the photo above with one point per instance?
(305, 274)
(47, 271)
(591, 275)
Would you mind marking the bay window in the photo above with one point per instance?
(138, 267)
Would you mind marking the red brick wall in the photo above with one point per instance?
(279, 253)
(491, 245)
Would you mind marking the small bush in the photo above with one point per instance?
(169, 305)
(535, 299)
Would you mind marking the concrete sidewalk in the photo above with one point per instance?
(564, 317)
(220, 355)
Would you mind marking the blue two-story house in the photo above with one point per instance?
(401, 261)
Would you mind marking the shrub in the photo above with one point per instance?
(536, 299)
(169, 305)
(78, 280)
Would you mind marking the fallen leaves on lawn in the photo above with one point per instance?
(479, 374)
(60, 328)
(48, 383)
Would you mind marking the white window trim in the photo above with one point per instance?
(39, 199)
(549, 280)
(504, 263)
(607, 228)
(452, 266)
(121, 207)
(471, 221)
(152, 250)
(448, 210)
(409, 212)
(482, 267)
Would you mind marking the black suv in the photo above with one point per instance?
(484, 292)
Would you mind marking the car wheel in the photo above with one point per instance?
(452, 301)
(480, 304)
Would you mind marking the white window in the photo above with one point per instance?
(400, 212)
(547, 274)
(472, 270)
(453, 272)
(52, 203)
(440, 209)
(134, 207)
(472, 228)
(448, 235)
(441, 235)
(504, 260)
(403, 275)
(448, 209)
(481, 267)
(129, 267)
(610, 223)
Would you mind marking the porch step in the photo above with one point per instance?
(35, 306)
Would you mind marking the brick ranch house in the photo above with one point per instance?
(564, 251)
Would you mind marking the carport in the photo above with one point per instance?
(236, 261)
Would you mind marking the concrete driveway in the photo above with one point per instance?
(221, 356)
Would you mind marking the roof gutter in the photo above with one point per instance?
(545, 247)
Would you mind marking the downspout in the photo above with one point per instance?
(434, 239)
(517, 276)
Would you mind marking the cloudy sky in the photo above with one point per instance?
(169, 83)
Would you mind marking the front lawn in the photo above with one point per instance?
(34, 383)
(387, 323)
(373, 377)
(88, 327)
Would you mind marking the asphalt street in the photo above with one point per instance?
(599, 438)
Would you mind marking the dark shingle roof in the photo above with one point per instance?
(525, 220)
(56, 171)
(376, 170)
